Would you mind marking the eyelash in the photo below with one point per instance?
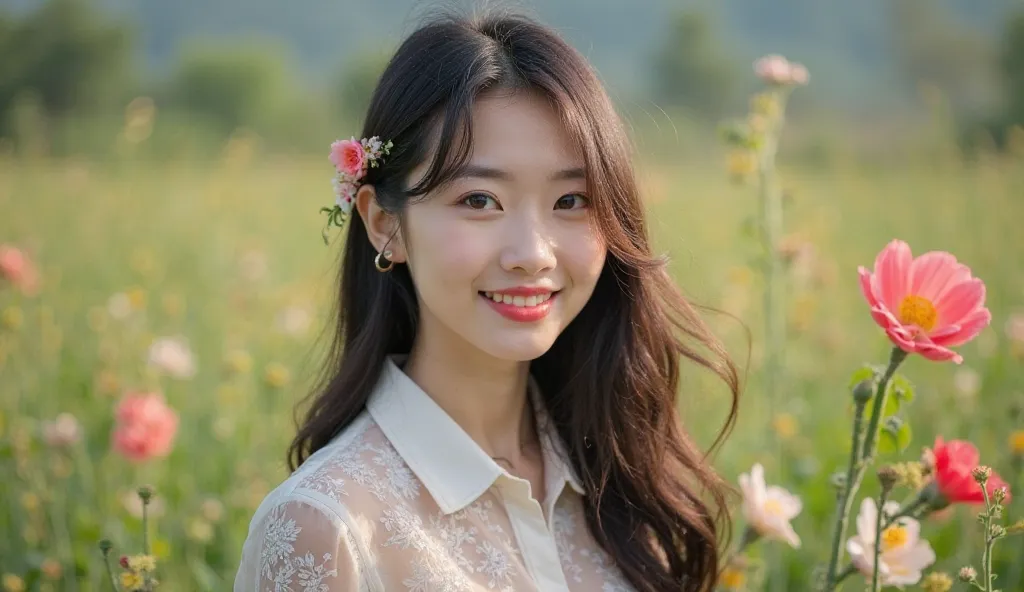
(465, 200)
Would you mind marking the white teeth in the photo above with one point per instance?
(518, 300)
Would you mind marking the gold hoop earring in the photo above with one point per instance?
(380, 268)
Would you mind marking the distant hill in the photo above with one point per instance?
(843, 42)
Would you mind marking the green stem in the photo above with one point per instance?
(145, 527)
(859, 462)
(897, 357)
(110, 572)
(989, 539)
(875, 587)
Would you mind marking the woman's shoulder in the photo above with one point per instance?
(353, 480)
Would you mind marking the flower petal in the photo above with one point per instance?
(961, 300)
(937, 353)
(866, 287)
(892, 272)
(866, 519)
(969, 328)
(935, 272)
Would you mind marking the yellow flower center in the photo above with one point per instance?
(894, 537)
(773, 507)
(915, 310)
(732, 579)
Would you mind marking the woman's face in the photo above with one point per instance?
(505, 256)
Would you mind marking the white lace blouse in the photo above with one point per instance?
(404, 500)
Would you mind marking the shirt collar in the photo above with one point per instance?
(450, 464)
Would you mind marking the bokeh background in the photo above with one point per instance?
(162, 164)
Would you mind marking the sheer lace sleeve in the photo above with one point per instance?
(300, 546)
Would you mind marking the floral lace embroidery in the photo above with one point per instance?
(278, 547)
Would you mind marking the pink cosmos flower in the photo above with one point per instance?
(18, 269)
(145, 428)
(926, 305)
(349, 157)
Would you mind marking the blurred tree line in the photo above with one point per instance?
(68, 69)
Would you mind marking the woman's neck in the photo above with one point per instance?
(486, 396)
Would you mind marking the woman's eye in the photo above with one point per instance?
(573, 201)
(480, 201)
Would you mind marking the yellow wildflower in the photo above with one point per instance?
(137, 298)
(741, 163)
(937, 582)
(131, 581)
(733, 578)
(277, 375)
(199, 530)
(785, 425)
(1017, 443)
(13, 583)
(30, 501)
(142, 563)
(12, 318)
(238, 361)
(161, 548)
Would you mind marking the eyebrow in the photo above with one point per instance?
(484, 172)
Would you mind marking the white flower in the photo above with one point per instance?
(171, 355)
(903, 552)
(768, 510)
(294, 320)
(119, 306)
(63, 431)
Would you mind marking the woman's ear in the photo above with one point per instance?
(381, 226)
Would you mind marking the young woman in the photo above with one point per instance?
(498, 411)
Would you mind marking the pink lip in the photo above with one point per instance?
(523, 314)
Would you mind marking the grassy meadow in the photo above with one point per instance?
(226, 253)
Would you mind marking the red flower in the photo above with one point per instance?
(954, 461)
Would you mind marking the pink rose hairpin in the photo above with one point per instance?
(352, 158)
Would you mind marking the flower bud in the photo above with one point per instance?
(981, 474)
(999, 495)
(996, 531)
(863, 392)
(145, 493)
(889, 477)
(967, 574)
(124, 561)
(106, 546)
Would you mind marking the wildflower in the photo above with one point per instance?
(276, 375)
(785, 425)
(63, 432)
(926, 305)
(200, 530)
(967, 383)
(769, 510)
(967, 574)
(732, 578)
(1016, 442)
(741, 163)
(145, 428)
(30, 501)
(902, 553)
(142, 563)
(51, 569)
(955, 462)
(775, 69)
(294, 320)
(238, 361)
(133, 505)
(13, 583)
(172, 356)
(212, 510)
(131, 581)
(119, 306)
(17, 269)
(937, 582)
(12, 318)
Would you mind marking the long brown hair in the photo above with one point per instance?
(610, 380)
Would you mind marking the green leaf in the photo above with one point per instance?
(889, 438)
(892, 405)
(863, 373)
(904, 436)
(901, 388)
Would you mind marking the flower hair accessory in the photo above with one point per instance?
(352, 158)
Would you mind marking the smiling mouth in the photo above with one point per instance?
(519, 301)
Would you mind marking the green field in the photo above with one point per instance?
(227, 254)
